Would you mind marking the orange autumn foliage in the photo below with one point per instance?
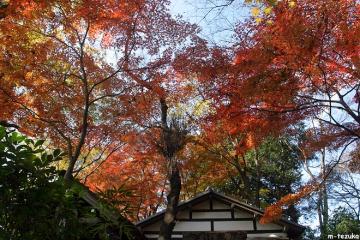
(138, 170)
(274, 211)
(300, 62)
(61, 80)
(290, 67)
(299, 66)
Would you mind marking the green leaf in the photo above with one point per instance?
(49, 158)
(16, 137)
(43, 157)
(37, 161)
(57, 152)
(29, 141)
(39, 143)
(273, 2)
(2, 132)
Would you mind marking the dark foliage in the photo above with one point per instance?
(36, 202)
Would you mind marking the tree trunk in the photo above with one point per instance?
(323, 208)
(320, 216)
(257, 194)
(168, 222)
(325, 204)
(244, 178)
(173, 139)
(325, 211)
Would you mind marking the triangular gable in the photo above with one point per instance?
(214, 212)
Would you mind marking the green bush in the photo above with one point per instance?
(35, 202)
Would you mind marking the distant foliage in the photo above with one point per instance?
(343, 222)
(261, 177)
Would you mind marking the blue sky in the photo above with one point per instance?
(217, 23)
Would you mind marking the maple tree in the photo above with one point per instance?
(167, 137)
(321, 155)
(313, 62)
(309, 68)
(62, 81)
(300, 61)
(303, 63)
(137, 168)
(57, 76)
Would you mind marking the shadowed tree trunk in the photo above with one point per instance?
(258, 183)
(173, 140)
(323, 199)
(168, 223)
(243, 173)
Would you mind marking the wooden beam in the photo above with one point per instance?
(232, 211)
(190, 211)
(212, 210)
(254, 222)
(214, 219)
(246, 231)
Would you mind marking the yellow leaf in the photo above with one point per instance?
(28, 75)
(258, 20)
(268, 10)
(255, 11)
(292, 4)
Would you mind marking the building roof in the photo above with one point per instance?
(291, 226)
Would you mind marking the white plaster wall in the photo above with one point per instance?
(233, 225)
(213, 215)
(242, 214)
(192, 226)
